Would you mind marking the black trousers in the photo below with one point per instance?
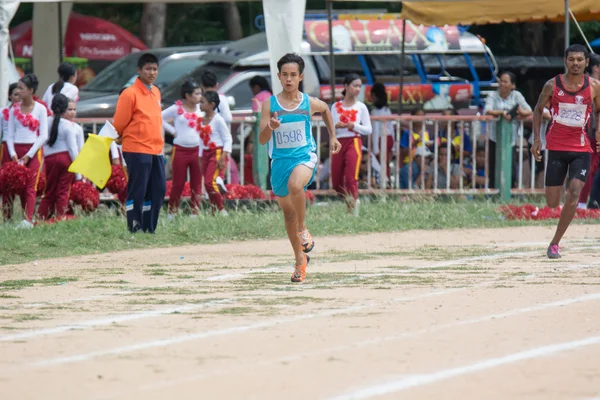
(594, 201)
(145, 190)
(492, 164)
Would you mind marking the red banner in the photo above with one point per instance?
(380, 35)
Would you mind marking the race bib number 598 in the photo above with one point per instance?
(571, 114)
(290, 135)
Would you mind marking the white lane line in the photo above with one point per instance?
(427, 379)
(353, 346)
(154, 313)
(110, 320)
(226, 331)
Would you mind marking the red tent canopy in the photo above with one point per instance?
(86, 37)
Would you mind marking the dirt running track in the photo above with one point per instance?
(471, 314)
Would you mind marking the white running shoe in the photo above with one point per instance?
(24, 225)
(224, 213)
(221, 185)
(171, 216)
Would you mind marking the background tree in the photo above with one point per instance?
(152, 24)
(232, 21)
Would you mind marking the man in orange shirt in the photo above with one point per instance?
(138, 122)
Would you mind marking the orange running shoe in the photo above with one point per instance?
(306, 241)
(300, 271)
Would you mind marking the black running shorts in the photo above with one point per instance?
(576, 164)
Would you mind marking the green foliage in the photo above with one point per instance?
(590, 29)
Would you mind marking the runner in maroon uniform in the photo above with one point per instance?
(569, 97)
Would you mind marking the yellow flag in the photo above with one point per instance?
(93, 161)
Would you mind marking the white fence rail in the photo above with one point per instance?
(393, 169)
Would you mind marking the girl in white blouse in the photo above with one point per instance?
(27, 132)
(67, 76)
(59, 152)
(186, 117)
(351, 118)
(216, 143)
(13, 98)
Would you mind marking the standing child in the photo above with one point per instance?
(209, 82)
(78, 129)
(13, 98)
(67, 76)
(380, 109)
(285, 126)
(59, 152)
(27, 132)
(185, 114)
(216, 147)
(352, 120)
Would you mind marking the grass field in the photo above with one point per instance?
(104, 231)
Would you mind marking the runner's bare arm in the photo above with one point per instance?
(538, 112)
(596, 94)
(319, 106)
(267, 124)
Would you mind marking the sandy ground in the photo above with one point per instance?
(464, 314)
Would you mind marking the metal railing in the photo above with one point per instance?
(455, 129)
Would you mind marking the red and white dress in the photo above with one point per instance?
(215, 139)
(186, 148)
(4, 156)
(345, 165)
(27, 133)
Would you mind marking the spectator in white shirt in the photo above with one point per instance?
(185, 115)
(352, 120)
(500, 104)
(13, 98)
(67, 76)
(59, 152)
(216, 144)
(209, 82)
(27, 133)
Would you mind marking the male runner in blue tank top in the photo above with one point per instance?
(285, 126)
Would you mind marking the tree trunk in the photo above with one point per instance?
(232, 21)
(556, 43)
(152, 24)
